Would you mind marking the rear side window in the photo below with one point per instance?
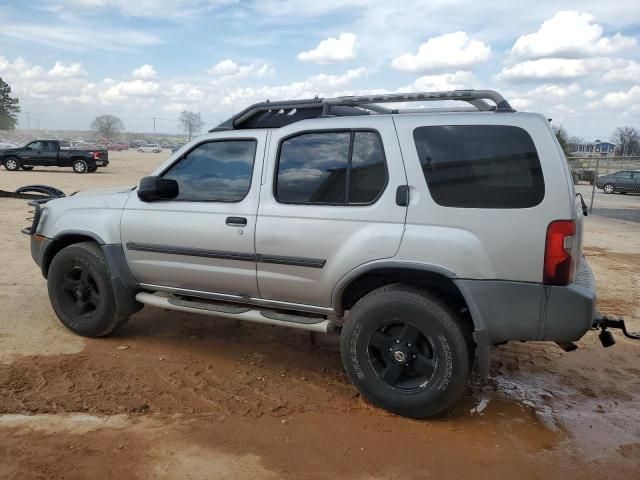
(331, 168)
(480, 166)
(217, 171)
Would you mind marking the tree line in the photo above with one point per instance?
(626, 140)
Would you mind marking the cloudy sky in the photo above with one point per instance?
(578, 62)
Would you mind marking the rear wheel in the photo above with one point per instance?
(27, 168)
(12, 164)
(80, 166)
(405, 351)
(80, 291)
(576, 179)
(608, 188)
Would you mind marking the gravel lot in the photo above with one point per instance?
(182, 396)
(623, 207)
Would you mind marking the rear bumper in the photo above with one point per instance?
(532, 311)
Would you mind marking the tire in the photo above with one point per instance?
(80, 291)
(609, 188)
(390, 368)
(92, 169)
(12, 164)
(576, 179)
(80, 166)
(27, 168)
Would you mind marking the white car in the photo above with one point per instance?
(150, 148)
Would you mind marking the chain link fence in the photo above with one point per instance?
(609, 185)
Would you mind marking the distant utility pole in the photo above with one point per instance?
(154, 124)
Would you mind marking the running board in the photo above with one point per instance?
(270, 317)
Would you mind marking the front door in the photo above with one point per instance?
(203, 240)
(32, 154)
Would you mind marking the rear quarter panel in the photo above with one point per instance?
(480, 243)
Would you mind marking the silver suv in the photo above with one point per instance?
(423, 236)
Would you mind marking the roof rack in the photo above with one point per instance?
(280, 113)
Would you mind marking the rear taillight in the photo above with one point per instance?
(559, 253)
(96, 155)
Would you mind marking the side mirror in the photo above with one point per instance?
(157, 188)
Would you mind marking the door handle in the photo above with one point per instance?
(236, 221)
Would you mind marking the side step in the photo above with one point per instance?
(270, 317)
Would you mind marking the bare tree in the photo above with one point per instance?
(190, 123)
(107, 126)
(627, 140)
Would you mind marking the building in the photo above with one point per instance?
(594, 149)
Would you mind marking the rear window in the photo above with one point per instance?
(480, 166)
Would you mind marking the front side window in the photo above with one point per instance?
(35, 145)
(480, 166)
(218, 171)
(331, 168)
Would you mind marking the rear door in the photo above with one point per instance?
(203, 240)
(49, 155)
(327, 205)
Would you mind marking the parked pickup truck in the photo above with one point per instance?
(53, 153)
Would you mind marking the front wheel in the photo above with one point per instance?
(405, 351)
(80, 290)
(608, 188)
(80, 166)
(12, 164)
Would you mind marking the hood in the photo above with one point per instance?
(103, 198)
(104, 191)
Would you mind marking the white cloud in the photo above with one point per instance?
(145, 72)
(551, 69)
(67, 70)
(558, 91)
(230, 70)
(131, 88)
(332, 50)
(569, 34)
(142, 8)
(620, 100)
(321, 85)
(590, 93)
(446, 81)
(627, 73)
(79, 38)
(449, 50)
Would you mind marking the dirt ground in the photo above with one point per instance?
(179, 396)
